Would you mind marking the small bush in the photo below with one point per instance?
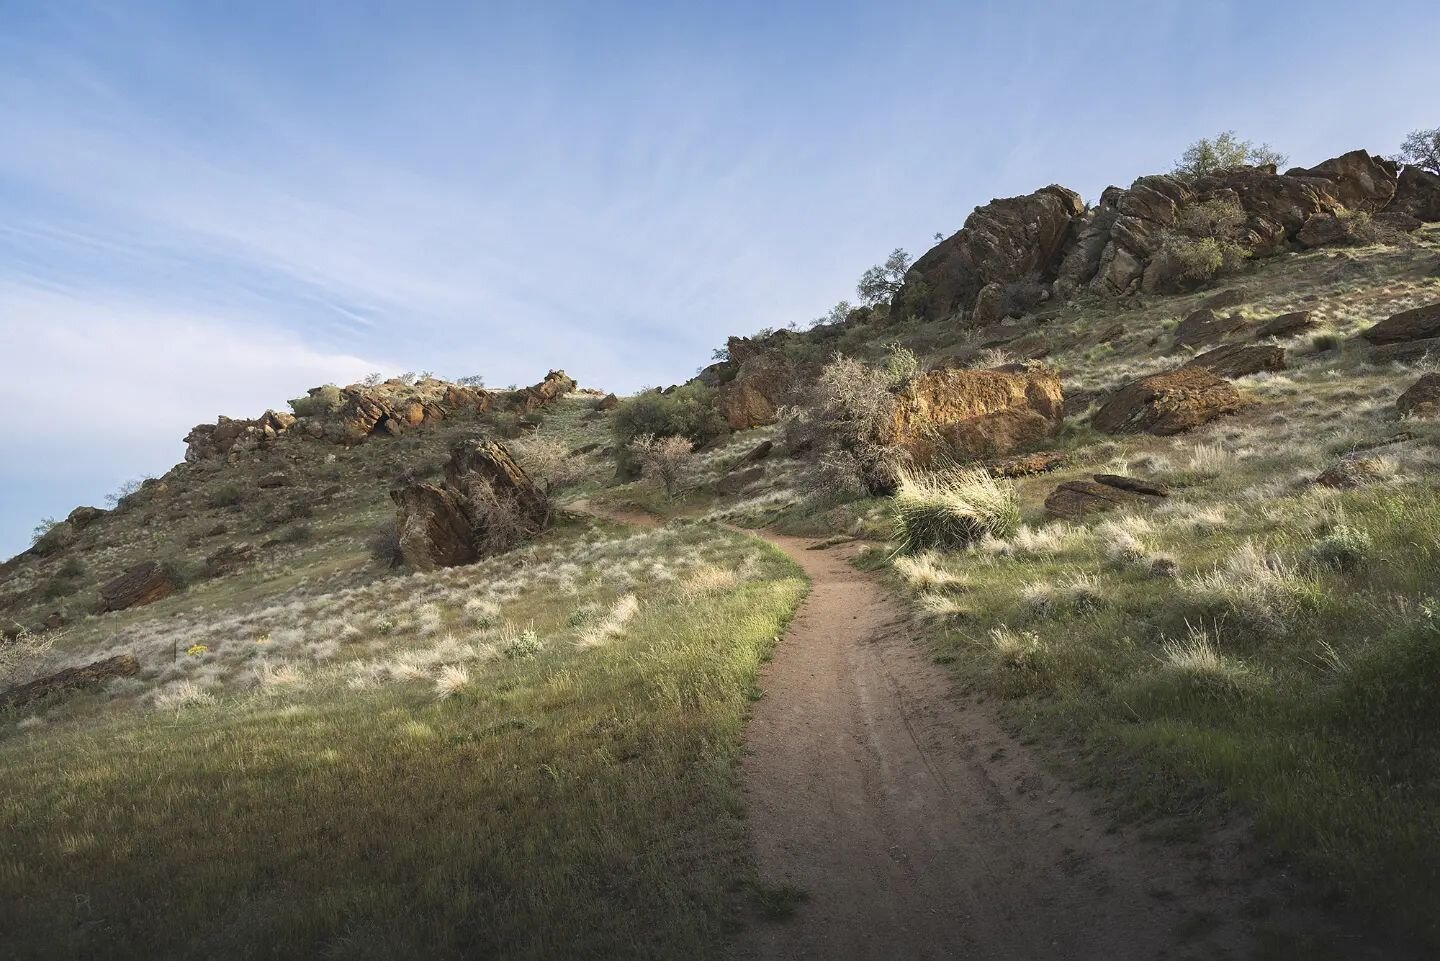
(661, 458)
(22, 655)
(225, 495)
(1324, 343)
(687, 411)
(318, 402)
(952, 509)
(383, 543)
(522, 645)
(1343, 548)
(901, 364)
(299, 534)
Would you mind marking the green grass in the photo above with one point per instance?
(1311, 703)
(580, 803)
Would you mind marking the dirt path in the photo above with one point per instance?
(919, 829)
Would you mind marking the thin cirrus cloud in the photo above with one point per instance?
(205, 209)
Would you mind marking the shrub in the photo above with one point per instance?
(1343, 548)
(687, 411)
(881, 282)
(662, 458)
(521, 645)
(1210, 154)
(549, 460)
(299, 534)
(846, 419)
(1422, 149)
(49, 536)
(318, 402)
(1204, 243)
(71, 568)
(383, 543)
(22, 655)
(901, 364)
(952, 509)
(226, 495)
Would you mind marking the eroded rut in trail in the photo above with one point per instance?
(917, 828)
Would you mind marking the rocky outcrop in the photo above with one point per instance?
(736, 481)
(145, 583)
(760, 379)
(1006, 240)
(1107, 492)
(229, 558)
(754, 455)
(555, 385)
(608, 402)
(1418, 194)
(1240, 360)
(1421, 399)
(1168, 403)
(218, 439)
(977, 414)
(486, 505)
(1421, 323)
(1357, 179)
(71, 679)
(82, 517)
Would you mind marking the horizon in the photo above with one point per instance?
(208, 213)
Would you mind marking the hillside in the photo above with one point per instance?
(1173, 530)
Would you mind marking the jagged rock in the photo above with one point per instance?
(1322, 230)
(1422, 398)
(974, 414)
(1398, 220)
(1205, 326)
(1075, 499)
(1360, 181)
(145, 583)
(988, 308)
(1168, 403)
(229, 558)
(1006, 240)
(608, 402)
(1353, 470)
(434, 527)
(486, 505)
(1421, 323)
(762, 382)
(754, 455)
(70, 679)
(555, 385)
(82, 517)
(1418, 194)
(736, 481)
(1286, 325)
(1230, 297)
(1133, 484)
(1026, 465)
(1092, 231)
(218, 439)
(1240, 360)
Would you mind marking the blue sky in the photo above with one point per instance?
(206, 207)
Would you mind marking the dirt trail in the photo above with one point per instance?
(917, 828)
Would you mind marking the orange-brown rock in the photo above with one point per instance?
(1168, 403)
(1205, 326)
(608, 402)
(434, 527)
(973, 414)
(761, 385)
(1026, 465)
(1286, 325)
(1074, 499)
(1422, 399)
(145, 583)
(555, 385)
(70, 679)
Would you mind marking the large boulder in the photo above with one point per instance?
(1418, 194)
(555, 385)
(82, 517)
(145, 583)
(1286, 325)
(1422, 398)
(1420, 323)
(1240, 360)
(1357, 179)
(1007, 240)
(71, 679)
(1205, 326)
(763, 380)
(1168, 403)
(976, 414)
(487, 504)
(1107, 492)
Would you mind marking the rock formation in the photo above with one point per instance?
(70, 679)
(1168, 403)
(976, 414)
(1421, 323)
(1074, 499)
(145, 583)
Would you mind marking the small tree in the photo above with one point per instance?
(373, 378)
(878, 284)
(1225, 150)
(836, 316)
(1422, 149)
(471, 380)
(663, 458)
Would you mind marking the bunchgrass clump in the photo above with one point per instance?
(951, 509)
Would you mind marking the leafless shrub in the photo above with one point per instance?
(550, 461)
(850, 409)
(22, 655)
(384, 544)
(662, 458)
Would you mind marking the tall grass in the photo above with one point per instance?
(952, 509)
